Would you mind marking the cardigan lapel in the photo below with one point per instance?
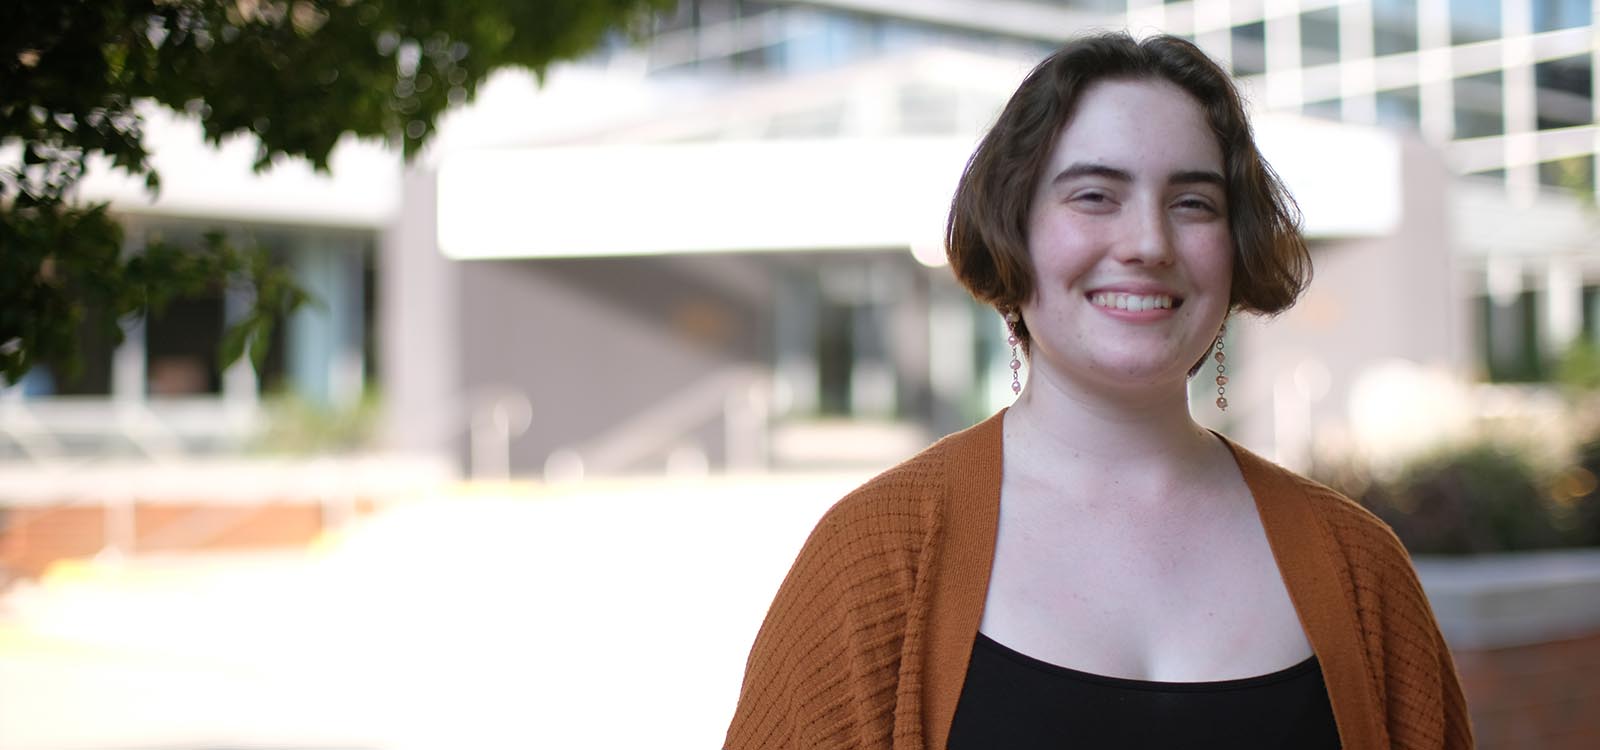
(965, 535)
(1305, 554)
(1308, 562)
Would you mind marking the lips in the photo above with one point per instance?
(1133, 301)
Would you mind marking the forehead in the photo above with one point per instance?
(1137, 123)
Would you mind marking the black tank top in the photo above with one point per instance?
(1013, 701)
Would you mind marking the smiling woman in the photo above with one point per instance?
(1090, 567)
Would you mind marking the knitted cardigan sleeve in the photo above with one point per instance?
(825, 668)
(1409, 664)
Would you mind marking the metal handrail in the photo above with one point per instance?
(741, 396)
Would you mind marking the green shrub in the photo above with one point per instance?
(1579, 367)
(1579, 490)
(1470, 500)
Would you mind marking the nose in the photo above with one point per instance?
(1149, 239)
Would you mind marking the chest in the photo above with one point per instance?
(1140, 593)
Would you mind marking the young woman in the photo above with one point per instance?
(1090, 567)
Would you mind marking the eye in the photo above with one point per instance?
(1197, 203)
(1092, 198)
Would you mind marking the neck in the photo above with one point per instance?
(1101, 430)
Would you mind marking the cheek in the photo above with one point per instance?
(1060, 249)
(1212, 254)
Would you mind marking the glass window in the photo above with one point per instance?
(1508, 336)
(1575, 173)
(1591, 313)
(1473, 21)
(181, 345)
(92, 377)
(1394, 26)
(1564, 94)
(1479, 108)
(1489, 175)
(1399, 108)
(1319, 37)
(1328, 109)
(1250, 49)
(1549, 15)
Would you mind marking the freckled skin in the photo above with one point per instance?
(1137, 227)
(1128, 543)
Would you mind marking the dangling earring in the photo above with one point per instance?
(1012, 318)
(1222, 369)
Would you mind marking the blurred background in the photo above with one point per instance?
(585, 351)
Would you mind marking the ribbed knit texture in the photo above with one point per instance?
(830, 652)
(866, 643)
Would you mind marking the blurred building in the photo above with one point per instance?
(721, 248)
(761, 189)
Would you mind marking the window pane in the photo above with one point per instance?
(1250, 49)
(1399, 108)
(1575, 174)
(1549, 15)
(181, 344)
(1394, 26)
(93, 375)
(1328, 109)
(1564, 94)
(1319, 37)
(1509, 338)
(1479, 110)
(1473, 21)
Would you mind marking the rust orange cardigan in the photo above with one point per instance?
(866, 644)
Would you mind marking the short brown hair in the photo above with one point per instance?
(986, 237)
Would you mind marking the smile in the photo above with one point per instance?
(1131, 302)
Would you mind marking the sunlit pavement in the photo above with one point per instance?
(596, 616)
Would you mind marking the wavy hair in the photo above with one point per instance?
(986, 234)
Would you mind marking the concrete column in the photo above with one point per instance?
(1562, 308)
(795, 336)
(1213, 30)
(1594, 82)
(952, 338)
(1437, 90)
(1285, 80)
(872, 380)
(419, 322)
(1520, 101)
(240, 388)
(1357, 75)
(128, 376)
(128, 384)
(1505, 285)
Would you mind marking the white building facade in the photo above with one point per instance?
(722, 249)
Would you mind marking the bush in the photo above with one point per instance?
(1471, 500)
(1580, 490)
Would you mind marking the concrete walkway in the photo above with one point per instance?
(596, 616)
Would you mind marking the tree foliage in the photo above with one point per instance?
(297, 74)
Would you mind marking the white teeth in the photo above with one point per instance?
(1131, 302)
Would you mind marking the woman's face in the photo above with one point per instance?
(1129, 238)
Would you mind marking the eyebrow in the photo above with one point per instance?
(1090, 169)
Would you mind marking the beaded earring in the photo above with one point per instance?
(1222, 369)
(1012, 318)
